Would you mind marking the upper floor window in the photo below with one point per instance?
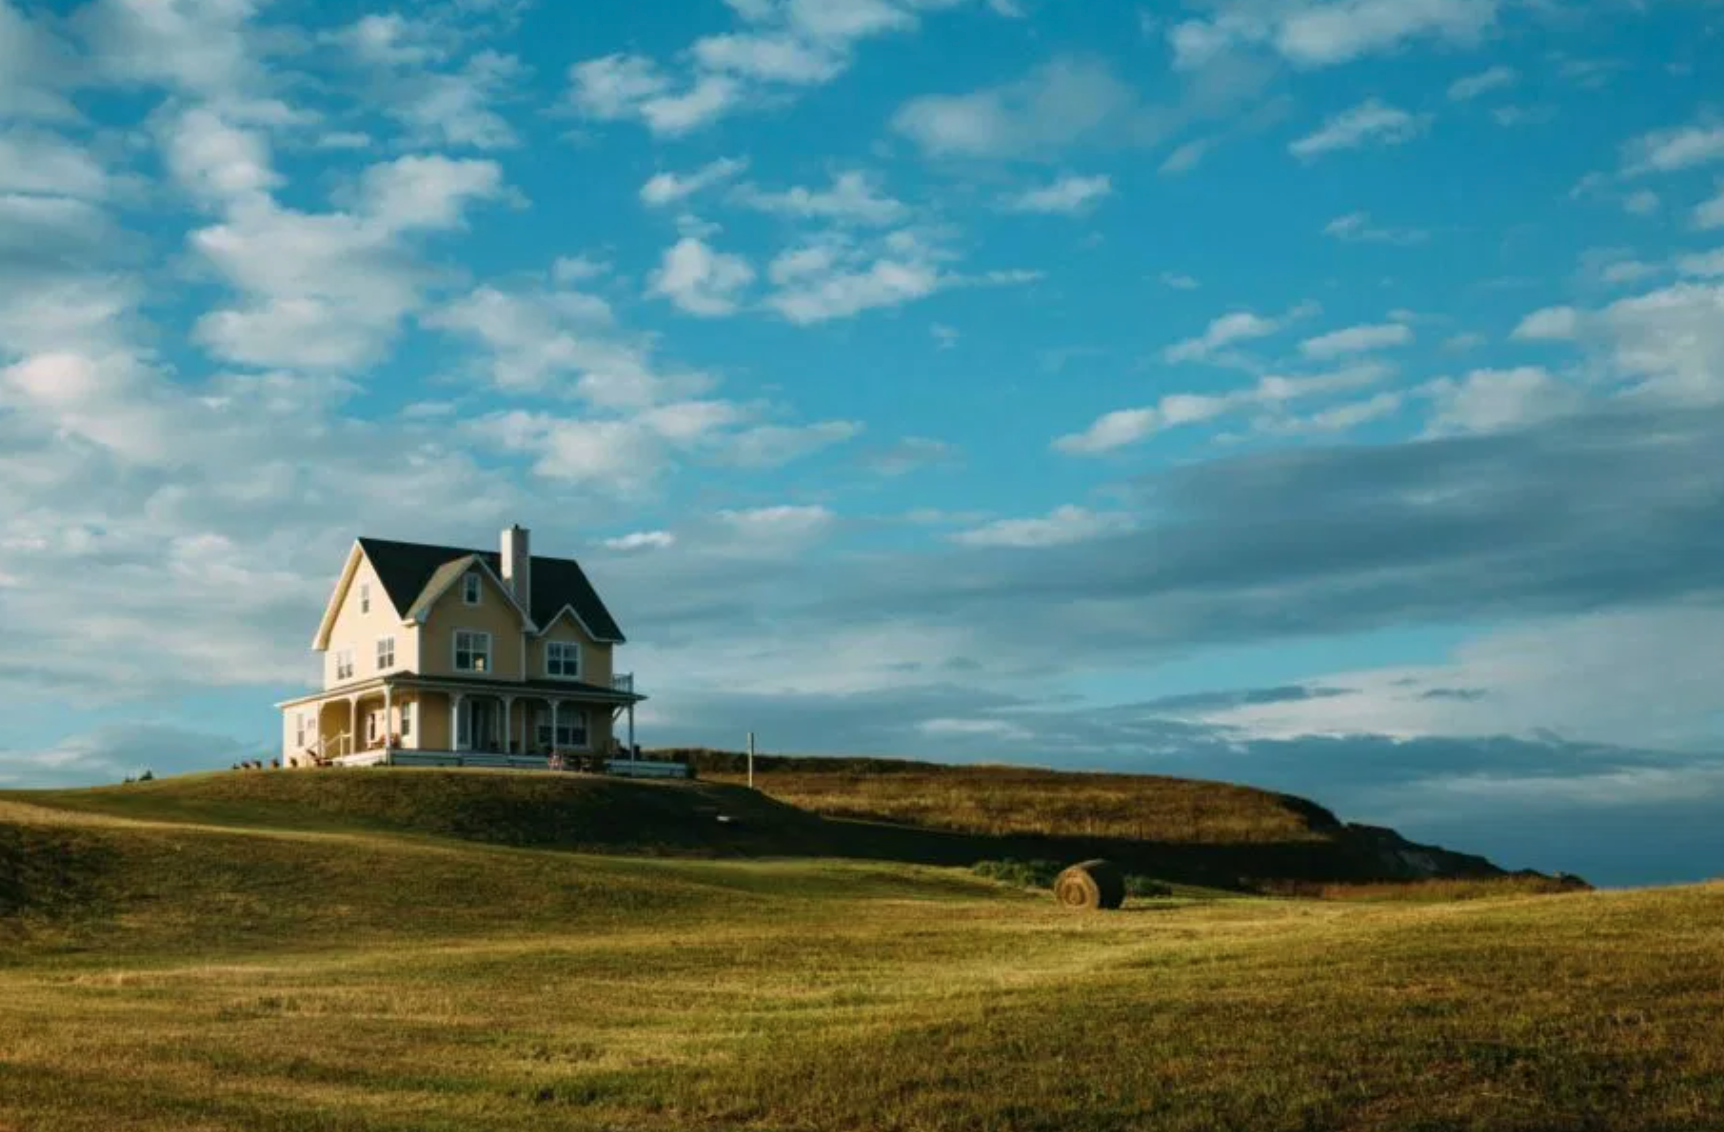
(472, 651)
(470, 589)
(385, 653)
(306, 727)
(365, 598)
(344, 664)
(563, 660)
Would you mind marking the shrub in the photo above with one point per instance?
(1023, 874)
(1146, 888)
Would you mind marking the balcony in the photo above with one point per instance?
(623, 682)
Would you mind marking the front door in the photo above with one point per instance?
(482, 724)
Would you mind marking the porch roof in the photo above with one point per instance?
(536, 688)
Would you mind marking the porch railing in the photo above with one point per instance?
(623, 681)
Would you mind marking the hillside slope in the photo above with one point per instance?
(1194, 832)
(1214, 832)
(359, 974)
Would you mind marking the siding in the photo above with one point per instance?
(595, 657)
(360, 631)
(493, 615)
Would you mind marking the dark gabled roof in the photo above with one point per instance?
(407, 568)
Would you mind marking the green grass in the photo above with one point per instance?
(215, 954)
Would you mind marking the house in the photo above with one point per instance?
(437, 655)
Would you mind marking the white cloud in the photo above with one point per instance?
(35, 66)
(1487, 400)
(1188, 156)
(1061, 527)
(563, 341)
(1643, 202)
(1271, 396)
(1372, 122)
(839, 275)
(1549, 324)
(1710, 214)
(1064, 101)
(1356, 227)
(784, 47)
(1705, 265)
(772, 446)
(1357, 340)
(641, 540)
(1674, 149)
(1667, 343)
(772, 527)
(1228, 330)
(327, 291)
(701, 280)
(1312, 34)
(456, 108)
(40, 163)
(215, 161)
(853, 198)
(1179, 281)
(670, 188)
(1496, 78)
(1067, 196)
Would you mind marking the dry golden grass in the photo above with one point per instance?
(1017, 800)
(363, 980)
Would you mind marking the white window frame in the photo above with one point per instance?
(472, 588)
(562, 649)
(566, 730)
(343, 664)
(301, 721)
(455, 651)
(385, 653)
(365, 597)
(407, 719)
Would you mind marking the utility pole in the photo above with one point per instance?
(751, 760)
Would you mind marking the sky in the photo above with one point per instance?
(1320, 394)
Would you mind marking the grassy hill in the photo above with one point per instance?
(1205, 833)
(360, 952)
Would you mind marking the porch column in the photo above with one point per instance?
(455, 699)
(352, 725)
(556, 718)
(631, 753)
(509, 725)
(388, 720)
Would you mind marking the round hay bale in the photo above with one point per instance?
(1090, 886)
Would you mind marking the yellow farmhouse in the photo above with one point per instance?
(435, 655)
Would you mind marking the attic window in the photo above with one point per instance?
(470, 589)
(365, 598)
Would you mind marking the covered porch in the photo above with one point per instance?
(537, 723)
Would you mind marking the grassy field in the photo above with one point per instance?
(195, 956)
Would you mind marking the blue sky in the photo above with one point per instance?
(1317, 393)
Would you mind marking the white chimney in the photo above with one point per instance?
(518, 564)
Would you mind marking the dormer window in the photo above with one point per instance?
(470, 589)
(365, 598)
(563, 660)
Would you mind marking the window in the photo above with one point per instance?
(470, 589)
(302, 727)
(371, 729)
(344, 664)
(385, 653)
(365, 598)
(571, 728)
(472, 651)
(406, 719)
(563, 660)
